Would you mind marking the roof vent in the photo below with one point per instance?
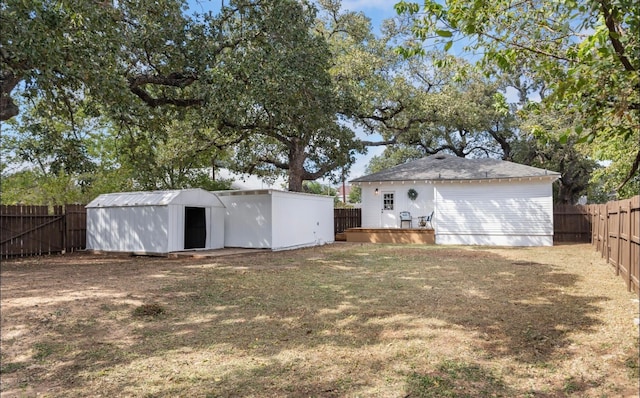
(440, 157)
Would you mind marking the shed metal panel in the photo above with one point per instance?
(150, 222)
(215, 238)
(121, 229)
(186, 197)
(301, 220)
(277, 220)
(248, 221)
(175, 241)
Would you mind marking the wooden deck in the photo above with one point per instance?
(391, 235)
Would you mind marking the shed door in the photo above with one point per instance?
(195, 228)
(388, 210)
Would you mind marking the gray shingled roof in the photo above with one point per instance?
(447, 167)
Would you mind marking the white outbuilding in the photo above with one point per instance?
(276, 220)
(157, 222)
(471, 201)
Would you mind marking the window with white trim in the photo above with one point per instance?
(387, 201)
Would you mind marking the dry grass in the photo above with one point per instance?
(346, 320)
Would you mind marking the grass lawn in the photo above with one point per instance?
(343, 320)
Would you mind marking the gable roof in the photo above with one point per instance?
(446, 167)
(195, 196)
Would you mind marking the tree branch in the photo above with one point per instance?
(307, 175)
(612, 26)
(274, 162)
(526, 48)
(175, 79)
(632, 172)
(391, 141)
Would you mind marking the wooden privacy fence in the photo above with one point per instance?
(36, 230)
(344, 219)
(571, 223)
(616, 235)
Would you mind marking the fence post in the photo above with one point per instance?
(65, 238)
(629, 265)
(628, 239)
(605, 236)
(619, 242)
(602, 236)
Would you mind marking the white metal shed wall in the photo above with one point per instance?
(215, 235)
(151, 222)
(271, 219)
(515, 213)
(301, 220)
(120, 229)
(248, 220)
(214, 214)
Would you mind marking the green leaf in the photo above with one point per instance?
(443, 33)
(564, 137)
(403, 7)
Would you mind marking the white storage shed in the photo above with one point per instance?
(473, 201)
(157, 222)
(276, 220)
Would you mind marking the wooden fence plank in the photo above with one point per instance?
(571, 223)
(344, 219)
(616, 235)
(76, 227)
(36, 230)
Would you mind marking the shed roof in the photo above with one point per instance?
(279, 192)
(447, 167)
(195, 196)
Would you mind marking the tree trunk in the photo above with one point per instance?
(8, 109)
(296, 167)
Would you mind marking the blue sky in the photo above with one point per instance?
(377, 11)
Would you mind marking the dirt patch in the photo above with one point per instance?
(340, 320)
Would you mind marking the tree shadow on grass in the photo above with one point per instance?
(271, 304)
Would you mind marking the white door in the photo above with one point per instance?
(388, 218)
